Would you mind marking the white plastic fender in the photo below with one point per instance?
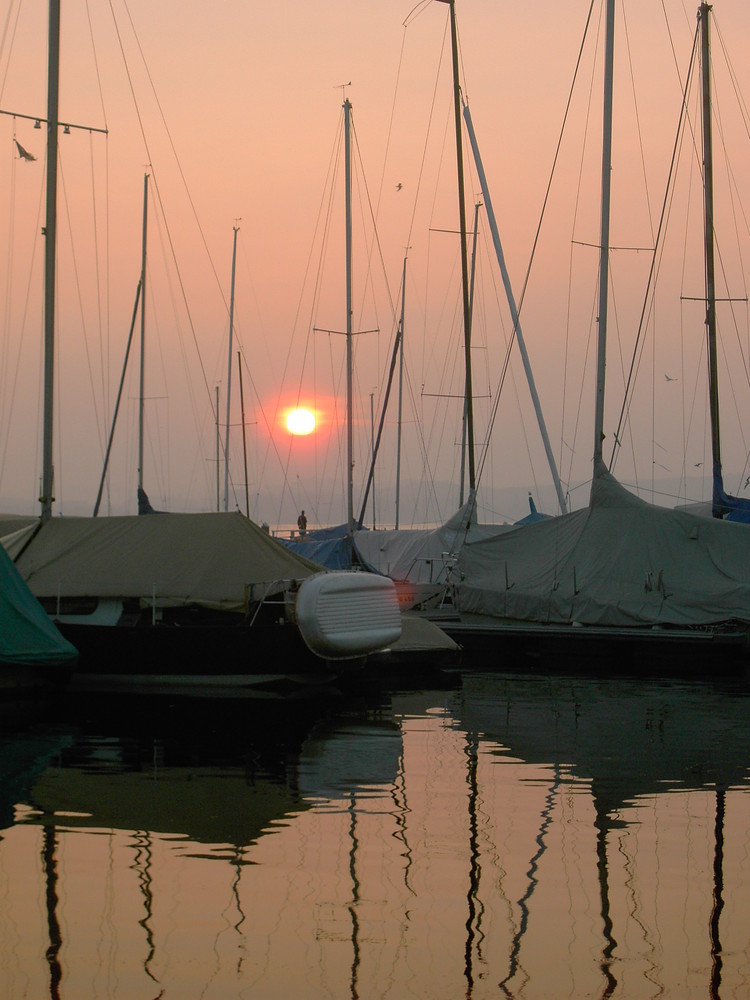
(347, 614)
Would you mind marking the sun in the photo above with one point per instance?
(300, 421)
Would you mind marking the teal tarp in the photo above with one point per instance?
(26, 633)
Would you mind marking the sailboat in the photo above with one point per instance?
(621, 577)
(186, 599)
(723, 504)
(421, 560)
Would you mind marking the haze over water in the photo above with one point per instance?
(491, 835)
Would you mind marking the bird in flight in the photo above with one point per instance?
(399, 186)
(669, 378)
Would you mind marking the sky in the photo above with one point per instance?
(234, 110)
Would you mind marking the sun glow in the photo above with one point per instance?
(300, 421)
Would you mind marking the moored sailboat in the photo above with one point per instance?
(176, 599)
(620, 577)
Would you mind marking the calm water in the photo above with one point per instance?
(496, 836)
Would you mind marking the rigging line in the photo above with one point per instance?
(616, 324)
(732, 188)
(96, 65)
(656, 256)
(368, 282)
(427, 135)
(420, 437)
(327, 204)
(84, 329)
(390, 121)
(102, 326)
(734, 193)
(97, 270)
(31, 281)
(685, 122)
(587, 358)
(324, 213)
(266, 423)
(717, 33)
(702, 359)
(568, 316)
(539, 223)
(638, 122)
(416, 10)
(375, 237)
(7, 315)
(6, 28)
(172, 145)
(158, 192)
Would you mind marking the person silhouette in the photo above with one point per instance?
(302, 524)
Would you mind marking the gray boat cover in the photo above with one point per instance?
(420, 555)
(219, 561)
(618, 562)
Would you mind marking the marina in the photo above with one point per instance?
(307, 743)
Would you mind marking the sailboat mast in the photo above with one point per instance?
(244, 435)
(142, 390)
(400, 393)
(462, 476)
(50, 241)
(708, 236)
(601, 354)
(229, 371)
(468, 391)
(349, 419)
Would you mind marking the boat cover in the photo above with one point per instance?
(331, 551)
(214, 560)
(26, 633)
(618, 562)
(15, 531)
(420, 555)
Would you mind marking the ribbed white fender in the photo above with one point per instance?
(341, 615)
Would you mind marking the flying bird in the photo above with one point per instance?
(669, 378)
(24, 153)
(399, 186)
(698, 465)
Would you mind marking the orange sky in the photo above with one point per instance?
(238, 112)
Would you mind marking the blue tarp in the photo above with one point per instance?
(731, 508)
(323, 547)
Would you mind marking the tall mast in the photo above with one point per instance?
(462, 476)
(229, 371)
(218, 452)
(349, 419)
(244, 435)
(468, 392)
(142, 390)
(708, 237)
(50, 231)
(400, 392)
(601, 353)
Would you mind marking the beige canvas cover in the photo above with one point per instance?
(205, 559)
(618, 562)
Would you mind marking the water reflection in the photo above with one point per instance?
(507, 835)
